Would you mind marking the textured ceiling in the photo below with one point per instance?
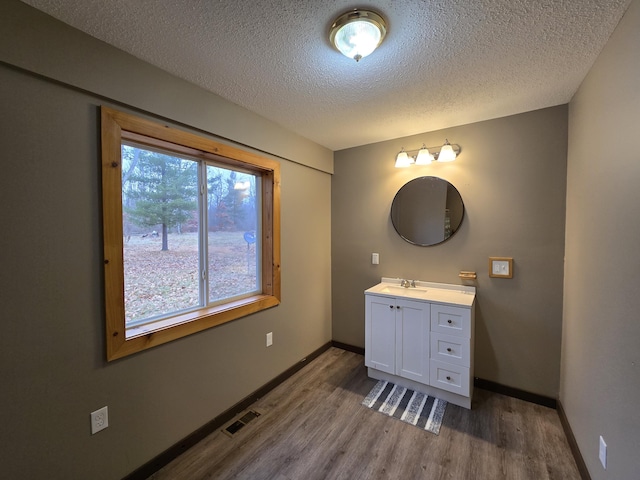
(444, 62)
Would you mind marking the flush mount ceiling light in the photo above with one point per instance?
(357, 33)
(423, 156)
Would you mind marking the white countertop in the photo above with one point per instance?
(444, 293)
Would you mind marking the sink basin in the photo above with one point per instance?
(409, 292)
(398, 291)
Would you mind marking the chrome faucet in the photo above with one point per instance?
(407, 283)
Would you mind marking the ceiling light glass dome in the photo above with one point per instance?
(358, 33)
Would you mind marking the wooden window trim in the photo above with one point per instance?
(115, 127)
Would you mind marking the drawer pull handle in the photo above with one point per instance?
(449, 350)
(390, 306)
(449, 378)
(398, 307)
(449, 322)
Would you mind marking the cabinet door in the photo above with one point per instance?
(380, 333)
(412, 340)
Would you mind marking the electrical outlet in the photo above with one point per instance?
(603, 453)
(269, 339)
(99, 420)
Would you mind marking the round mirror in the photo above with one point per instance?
(427, 211)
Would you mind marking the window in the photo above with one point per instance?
(191, 233)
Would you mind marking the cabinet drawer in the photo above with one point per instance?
(453, 378)
(450, 349)
(451, 320)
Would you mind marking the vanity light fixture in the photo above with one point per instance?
(423, 156)
(357, 33)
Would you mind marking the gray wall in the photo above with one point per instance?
(600, 380)
(511, 175)
(52, 355)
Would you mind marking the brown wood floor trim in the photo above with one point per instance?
(155, 464)
(573, 444)
(515, 392)
(347, 347)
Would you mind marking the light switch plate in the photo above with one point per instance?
(501, 267)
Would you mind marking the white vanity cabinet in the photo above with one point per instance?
(397, 336)
(422, 337)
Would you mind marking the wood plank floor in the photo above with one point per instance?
(313, 427)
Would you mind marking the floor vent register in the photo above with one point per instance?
(239, 424)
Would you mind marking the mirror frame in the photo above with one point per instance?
(411, 189)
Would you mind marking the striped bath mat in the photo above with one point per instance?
(410, 406)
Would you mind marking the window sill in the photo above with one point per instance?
(162, 331)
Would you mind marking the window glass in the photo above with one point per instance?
(161, 226)
(233, 222)
(178, 254)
